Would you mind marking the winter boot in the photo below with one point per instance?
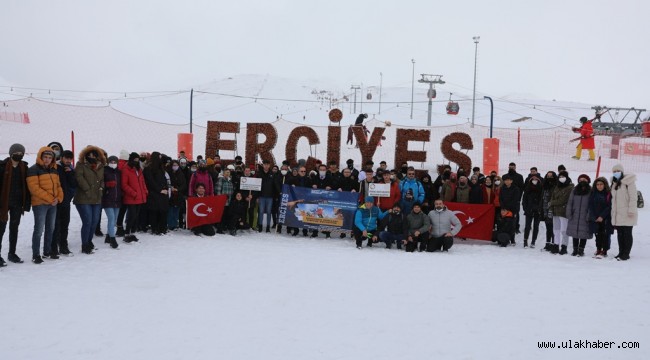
(268, 229)
(314, 233)
(525, 243)
(295, 232)
(98, 232)
(113, 242)
(603, 253)
(233, 232)
(581, 251)
(259, 228)
(107, 240)
(3, 263)
(532, 244)
(575, 247)
(36, 259)
(555, 248)
(14, 259)
(92, 246)
(581, 247)
(128, 238)
(119, 232)
(279, 229)
(342, 236)
(563, 250)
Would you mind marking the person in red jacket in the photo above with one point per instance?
(586, 139)
(134, 194)
(386, 203)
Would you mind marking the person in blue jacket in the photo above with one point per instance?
(416, 193)
(365, 222)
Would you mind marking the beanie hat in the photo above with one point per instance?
(350, 162)
(584, 176)
(16, 148)
(133, 156)
(124, 155)
(210, 162)
(583, 119)
(113, 158)
(563, 173)
(506, 177)
(617, 167)
(369, 199)
(561, 168)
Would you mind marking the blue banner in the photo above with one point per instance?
(317, 209)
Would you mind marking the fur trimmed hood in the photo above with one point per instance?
(100, 154)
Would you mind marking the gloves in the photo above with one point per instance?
(111, 184)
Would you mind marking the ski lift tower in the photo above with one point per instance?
(617, 125)
(431, 80)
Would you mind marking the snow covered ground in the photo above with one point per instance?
(278, 297)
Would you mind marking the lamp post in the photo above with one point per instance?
(491, 113)
(355, 88)
(476, 39)
(381, 80)
(412, 86)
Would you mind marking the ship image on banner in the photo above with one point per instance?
(316, 209)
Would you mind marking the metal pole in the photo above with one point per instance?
(491, 113)
(361, 102)
(430, 104)
(412, 86)
(191, 101)
(381, 80)
(476, 39)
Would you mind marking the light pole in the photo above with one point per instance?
(355, 88)
(491, 113)
(430, 79)
(381, 80)
(412, 86)
(476, 39)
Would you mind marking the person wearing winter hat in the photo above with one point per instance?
(365, 222)
(134, 195)
(576, 211)
(557, 206)
(586, 131)
(624, 209)
(89, 173)
(57, 148)
(69, 186)
(600, 216)
(533, 210)
(112, 198)
(14, 198)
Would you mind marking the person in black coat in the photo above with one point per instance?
(600, 216)
(533, 208)
(266, 195)
(69, 186)
(15, 198)
(518, 181)
(178, 191)
(475, 190)
(159, 184)
(509, 197)
(392, 228)
(238, 208)
(280, 179)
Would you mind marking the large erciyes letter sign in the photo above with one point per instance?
(367, 145)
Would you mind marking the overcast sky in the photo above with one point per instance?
(589, 50)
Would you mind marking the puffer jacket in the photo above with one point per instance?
(442, 222)
(559, 198)
(113, 192)
(90, 182)
(43, 182)
(417, 222)
(366, 219)
(134, 188)
(624, 199)
(577, 209)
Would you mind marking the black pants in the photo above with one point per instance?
(275, 209)
(120, 216)
(60, 236)
(132, 219)
(158, 219)
(533, 220)
(549, 229)
(603, 240)
(251, 212)
(15, 213)
(440, 243)
(207, 230)
(357, 234)
(624, 235)
(423, 239)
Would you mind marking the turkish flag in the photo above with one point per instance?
(205, 210)
(477, 219)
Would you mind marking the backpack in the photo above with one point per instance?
(639, 200)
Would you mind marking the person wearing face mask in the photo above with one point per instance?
(201, 176)
(121, 164)
(462, 191)
(557, 206)
(158, 184)
(266, 196)
(386, 203)
(69, 186)
(577, 210)
(112, 199)
(225, 187)
(134, 195)
(430, 193)
(281, 178)
(177, 199)
(550, 181)
(444, 226)
(392, 228)
(518, 181)
(600, 216)
(532, 202)
(448, 189)
(509, 198)
(443, 173)
(14, 198)
(89, 173)
(57, 148)
(624, 209)
(475, 190)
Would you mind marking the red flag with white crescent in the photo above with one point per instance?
(477, 219)
(205, 210)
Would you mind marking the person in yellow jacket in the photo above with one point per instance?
(45, 188)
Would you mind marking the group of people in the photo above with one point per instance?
(142, 192)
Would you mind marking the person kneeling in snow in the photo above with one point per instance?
(393, 227)
(365, 222)
(444, 226)
(417, 224)
(506, 228)
(208, 229)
